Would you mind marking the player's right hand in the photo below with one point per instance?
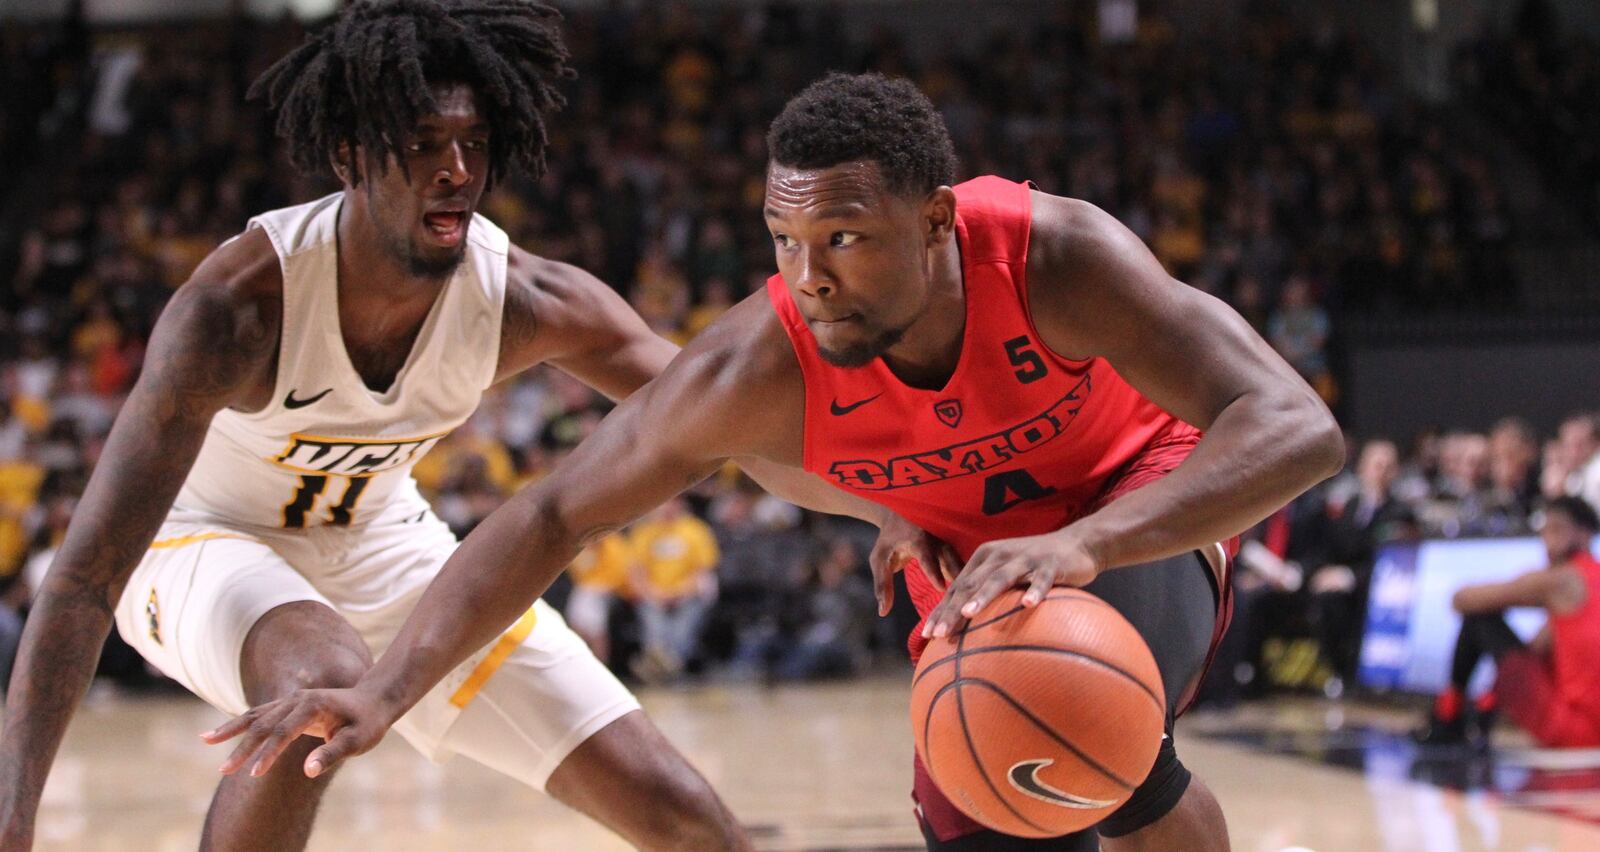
(899, 541)
(350, 720)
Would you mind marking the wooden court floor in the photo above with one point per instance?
(805, 767)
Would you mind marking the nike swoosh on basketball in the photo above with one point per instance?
(841, 410)
(290, 402)
(1025, 777)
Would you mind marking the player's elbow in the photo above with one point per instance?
(1325, 443)
(1311, 438)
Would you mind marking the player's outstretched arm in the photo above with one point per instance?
(557, 313)
(714, 402)
(1097, 291)
(212, 340)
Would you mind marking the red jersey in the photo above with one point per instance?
(1575, 645)
(1020, 440)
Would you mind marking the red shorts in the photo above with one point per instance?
(1526, 689)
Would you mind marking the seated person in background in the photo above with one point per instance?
(674, 579)
(828, 625)
(13, 596)
(599, 575)
(1348, 539)
(1551, 687)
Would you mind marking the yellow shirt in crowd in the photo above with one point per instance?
(19, 487)
(604, 565)
(674, 553)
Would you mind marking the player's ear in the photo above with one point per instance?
(342, 163)
(939, 212)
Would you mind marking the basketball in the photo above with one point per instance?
(1039, 722)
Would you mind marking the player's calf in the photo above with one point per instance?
(669, 805)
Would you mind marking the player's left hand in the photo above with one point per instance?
(350, 721)
(899, 543)
(1040, 561)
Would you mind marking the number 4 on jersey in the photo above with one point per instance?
(1010, 488)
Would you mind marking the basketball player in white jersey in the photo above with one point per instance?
(253, 527)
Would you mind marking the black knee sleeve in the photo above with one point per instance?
(1153, 799)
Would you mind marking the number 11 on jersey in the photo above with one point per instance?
(305, 500)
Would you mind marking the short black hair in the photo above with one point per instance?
(846, 117)
(364, 80)
(1578, 510)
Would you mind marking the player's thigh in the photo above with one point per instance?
(1173, 604)
(523, 704)
(195, 598)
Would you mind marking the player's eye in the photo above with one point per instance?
(845, 238)
(477, 145)
(781, 239)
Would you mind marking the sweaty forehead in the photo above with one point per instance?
(848, 185)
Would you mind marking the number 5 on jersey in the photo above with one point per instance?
(307, 495)
(1030, 367)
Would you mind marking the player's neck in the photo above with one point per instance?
(368, 272)
(927, 355)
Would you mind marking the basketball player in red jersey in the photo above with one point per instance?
(1010, 371)
(1550, 687)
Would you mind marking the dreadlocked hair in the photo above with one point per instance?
(365, 79)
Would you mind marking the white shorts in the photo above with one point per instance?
(519, 705)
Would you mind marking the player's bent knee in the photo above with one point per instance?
(331, 668)
(1160, 793)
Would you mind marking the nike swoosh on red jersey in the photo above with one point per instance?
(841, 410)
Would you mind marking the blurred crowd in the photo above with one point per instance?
(1305, 571)
(1539, 85)
(1284, 172)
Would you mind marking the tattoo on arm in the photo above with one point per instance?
(519, 325)
(204, 350)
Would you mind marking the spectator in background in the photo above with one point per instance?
(674, 586)
(1349, 539)
(1421, 467)
(832, 640)
(1578, 442)
(467, 493)
(13, 597)
(1551, 686)
(760, 578)
(13, 434)
(599, 576)
(1299, 329)
(1504, 508)
(1457, 494)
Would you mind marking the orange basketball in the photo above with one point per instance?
(1039, 722)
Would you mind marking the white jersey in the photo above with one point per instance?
(327, 450)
